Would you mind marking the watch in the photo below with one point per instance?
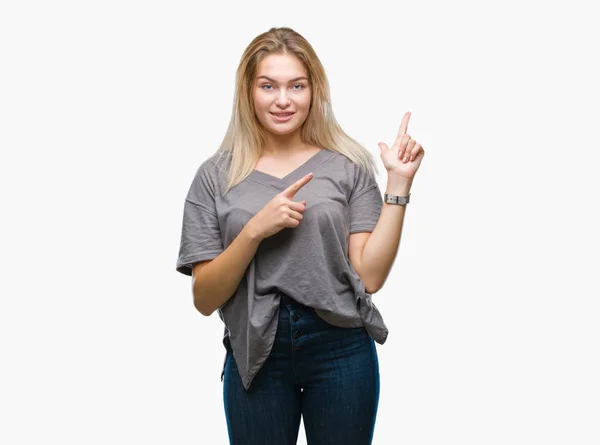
(393, 199)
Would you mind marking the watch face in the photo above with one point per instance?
(392, 199)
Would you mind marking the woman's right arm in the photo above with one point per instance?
(215, 281)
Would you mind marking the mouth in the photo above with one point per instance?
(282, 117)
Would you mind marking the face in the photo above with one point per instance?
(281, 86)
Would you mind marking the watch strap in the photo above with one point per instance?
(394, 199)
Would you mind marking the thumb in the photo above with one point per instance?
(382, 147)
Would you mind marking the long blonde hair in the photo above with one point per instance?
(245, 137)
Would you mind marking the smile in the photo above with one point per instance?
(282, 117)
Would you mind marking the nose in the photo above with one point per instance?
(282, 99)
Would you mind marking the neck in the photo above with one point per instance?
(284, 144)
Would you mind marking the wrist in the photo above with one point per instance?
(251, 233)
(398, 185)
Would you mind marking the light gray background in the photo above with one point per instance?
(108, 108)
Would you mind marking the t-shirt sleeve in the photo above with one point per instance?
(365, 201)
(200, 233)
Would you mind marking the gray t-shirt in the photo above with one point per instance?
(309, 263)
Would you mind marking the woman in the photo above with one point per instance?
(286, 235)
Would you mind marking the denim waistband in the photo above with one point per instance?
(286, 299)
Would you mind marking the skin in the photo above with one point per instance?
(404, 157)
(284, 92)
(372, 254)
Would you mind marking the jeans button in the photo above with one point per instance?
(296, 317)
(298, 334)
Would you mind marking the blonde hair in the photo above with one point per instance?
(245, 137)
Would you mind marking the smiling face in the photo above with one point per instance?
(281, 86)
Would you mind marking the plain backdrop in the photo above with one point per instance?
(108, 108)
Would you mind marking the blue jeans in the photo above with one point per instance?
(327, 375)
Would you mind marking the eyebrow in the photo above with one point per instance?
(274, 81)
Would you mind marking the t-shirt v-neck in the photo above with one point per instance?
(296, 174)
(309, 263)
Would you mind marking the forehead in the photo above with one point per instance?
(281, 67)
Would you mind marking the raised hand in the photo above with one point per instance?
(405, 155)
(280, 212)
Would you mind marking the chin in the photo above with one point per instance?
(279, 131)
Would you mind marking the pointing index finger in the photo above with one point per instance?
(292, 189)
(404, 124)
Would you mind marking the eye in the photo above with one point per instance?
(266, 85)
(299, 85)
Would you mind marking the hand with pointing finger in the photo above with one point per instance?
(280, 212)
(405, 155)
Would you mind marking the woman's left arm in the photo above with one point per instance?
(401, 162)
(381, 247)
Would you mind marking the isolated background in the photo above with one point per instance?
(108, 108)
